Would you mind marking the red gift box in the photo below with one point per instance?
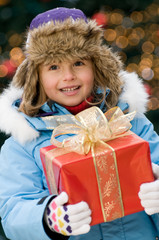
(108, 180)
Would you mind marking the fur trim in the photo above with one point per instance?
(133, 92)
(12, 122)
(63, 40)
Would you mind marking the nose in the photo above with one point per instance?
(68, 74)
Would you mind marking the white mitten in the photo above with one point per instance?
(68, 220)
(155, 169)
(149, 193)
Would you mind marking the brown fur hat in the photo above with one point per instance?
(64, 39)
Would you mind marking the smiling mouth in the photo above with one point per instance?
(70, 89)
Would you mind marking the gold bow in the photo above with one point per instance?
(89, 127)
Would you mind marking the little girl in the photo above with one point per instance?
(66, 70)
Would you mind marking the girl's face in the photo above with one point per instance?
(67, 83)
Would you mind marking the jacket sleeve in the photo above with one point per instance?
(144, 128)
(23, 196)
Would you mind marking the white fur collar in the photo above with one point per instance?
(133, 92)
(14, 123)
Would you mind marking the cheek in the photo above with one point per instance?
(90, 81)
(48, 84)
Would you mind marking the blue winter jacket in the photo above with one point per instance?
(24, 192)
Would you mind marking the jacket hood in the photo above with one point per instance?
(23, 129)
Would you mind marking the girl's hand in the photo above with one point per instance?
(149, 193)
(68, 220)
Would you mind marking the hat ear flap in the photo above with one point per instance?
(19, 78)
(108, 67)
(30, 85)
(26, 77)
(33, 94)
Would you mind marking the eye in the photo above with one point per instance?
(78, 63)
(53, 67)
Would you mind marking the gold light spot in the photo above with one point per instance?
(147, 62)
(116, 18)
(153, 104)
(120, 30)
(17, 56)
(4, 2)
(152, 9)
(15, 40)
(132, 67)
(110, 35)
(133, 39)
(122, 42)
(140, 32)
(147, 55)
(156, 72)
(136, 17)
(3, 71)
(148, 47)
(155, 37)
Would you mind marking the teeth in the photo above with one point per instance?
(69, 89)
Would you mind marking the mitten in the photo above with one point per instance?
(68, 220)
(149, 193)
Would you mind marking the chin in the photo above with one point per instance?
(71, 104)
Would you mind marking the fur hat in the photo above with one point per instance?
(64, 33)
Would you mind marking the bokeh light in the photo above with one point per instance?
(17, 56)
(147, 73)
(116, 18)
(136, 38)
(122, 42)
(132, 67)
(15, 40)
(4, 2)
(133, 39)
(136, 17)
(148, 47)
(110, 35)
(3, 71)
(153, 103)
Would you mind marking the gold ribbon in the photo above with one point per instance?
(90, 130)
(88, 127)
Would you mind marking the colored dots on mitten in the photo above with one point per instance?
(66, 218)
(69, 229)
(53, 205)
(50, 222)
(61, 224)
(59, 212)
(48, 211)
(56, 228)
(54, 217)
(65, 208)
(63, 232)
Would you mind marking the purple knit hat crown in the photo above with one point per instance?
(57, 14)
